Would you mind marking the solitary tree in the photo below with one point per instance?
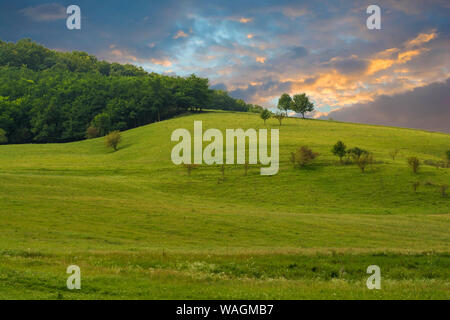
(3, 138)
(414, 163)
(364, 160)
(339, 150)
(301, 104)
(285, 103)
(394, 153)
(279, 116)
(113, 139)
(361, 157)
(265, 114)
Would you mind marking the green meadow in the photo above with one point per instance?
(140, 227)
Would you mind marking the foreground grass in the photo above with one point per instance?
(168, 275)
(140, 227)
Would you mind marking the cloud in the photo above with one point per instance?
(425, 108)
(261, 59)
(45, 12)
(180, 34)
(422, 38)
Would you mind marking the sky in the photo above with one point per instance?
(258, 50)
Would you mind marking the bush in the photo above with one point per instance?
(3, 138)
(447, 157)
(356, 152)
(394, 154)
(113, 139)
(265, 114)
(364, 160)
(361, 157)
(279, 116)
(92, 132)
(303, 156)
(339, 150)
(414, 163)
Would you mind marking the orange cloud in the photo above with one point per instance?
(422, 38)
(245, 20)
(404, 57)
(180, 34)
(161, 62)
(261, 59)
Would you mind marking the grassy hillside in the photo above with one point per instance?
(140, 227)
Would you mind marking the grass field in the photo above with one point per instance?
(140, 227)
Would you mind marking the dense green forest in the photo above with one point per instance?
(50, 96)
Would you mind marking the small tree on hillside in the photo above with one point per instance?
(279, 116)
(364, 160)
(301, 104)
(3, 138)
(265, 114)
(414, 163)
(285, 103)
(113, 139)
(92, 132)
(393, 154)
(303, 156)
(339, 150)
(360, 157)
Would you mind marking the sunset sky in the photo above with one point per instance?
(259, 49)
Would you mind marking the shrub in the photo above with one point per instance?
(447, 157)
(339, 150)
(356, 152)
(361, 157)
(414, 163)
(364, 160)
(92, 132)
(113, 139)
(394, 154)
(304, 156)
(437, 164)
(279, 116)
(3, 138)
(265, 114)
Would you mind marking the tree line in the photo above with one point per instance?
(50, 96)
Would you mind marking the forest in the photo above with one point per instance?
(50, 96)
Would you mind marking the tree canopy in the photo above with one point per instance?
(50, 96)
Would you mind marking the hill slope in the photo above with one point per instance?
(129, 215)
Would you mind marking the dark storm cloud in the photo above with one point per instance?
(423, 108)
